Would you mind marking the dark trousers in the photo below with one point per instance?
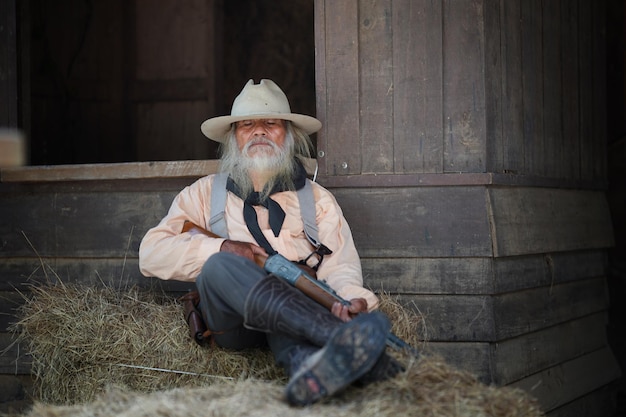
(223, 284)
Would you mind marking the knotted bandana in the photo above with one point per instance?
(275, 211)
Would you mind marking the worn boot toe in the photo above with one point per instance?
(352, 350)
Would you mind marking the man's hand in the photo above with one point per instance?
(346, 313)
(245, 249)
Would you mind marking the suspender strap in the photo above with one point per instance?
(307, 212)
(217, 222)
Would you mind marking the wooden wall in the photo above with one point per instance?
(530, 313)
(466, 142)
(462, 86)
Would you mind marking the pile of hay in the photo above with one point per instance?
(82, 339)
(105, 352)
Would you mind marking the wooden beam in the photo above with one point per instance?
(558, 385)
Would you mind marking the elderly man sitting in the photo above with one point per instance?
(261, 213)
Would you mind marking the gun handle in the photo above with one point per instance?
(189, 225)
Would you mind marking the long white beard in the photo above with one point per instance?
(263, 162)
(276, 167)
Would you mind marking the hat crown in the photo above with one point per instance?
(260, 99)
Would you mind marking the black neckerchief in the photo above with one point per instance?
(275, 211)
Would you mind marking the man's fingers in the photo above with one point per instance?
(245, 249)
(341, 311)
(358, 305)
(257, 250)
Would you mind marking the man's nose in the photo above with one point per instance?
(259, 129)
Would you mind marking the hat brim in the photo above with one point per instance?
(217, 127)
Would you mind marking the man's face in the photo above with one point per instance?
(260, 136)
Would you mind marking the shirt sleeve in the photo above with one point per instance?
(342, 269)
(167, 253)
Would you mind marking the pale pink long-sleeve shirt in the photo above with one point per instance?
(168, 254)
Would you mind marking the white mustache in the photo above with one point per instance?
(259, 140)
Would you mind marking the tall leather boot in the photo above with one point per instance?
(290, 354)
(348, 350)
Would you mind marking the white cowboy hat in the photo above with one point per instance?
(258, 101)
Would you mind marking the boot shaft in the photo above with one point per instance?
(273, 306)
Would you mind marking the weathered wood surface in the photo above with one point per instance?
(463, 317)
(376, 102)
(522, 356)
(116, 171)
(461, 276)
(417, 87)
(166, 170)
(545, 220)
(467, 221)
(64, 225)
(512, 360)
(418, 222)
(534, 309)
(19, 273)
(598, 403)
(560, 384)
(176, 44)
(14, 360)
(424, 275)
(169, 131)
(341, 85)
(480, 308)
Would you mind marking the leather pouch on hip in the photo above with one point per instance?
(198, 329)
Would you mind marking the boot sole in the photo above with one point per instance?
(351, 352)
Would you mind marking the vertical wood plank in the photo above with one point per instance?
(376, 79)
(570, 94)
(552, 91)
(215, 48)
(512, 100)
(418, 96)
(463, 86)
(164, 125)
(321, 92)
(177, 28)
(585, 87)
(341, 142)
(532, 86)
(494, 37)
(599, 90)
(174, 43)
